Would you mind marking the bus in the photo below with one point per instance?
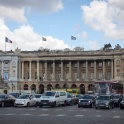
(107, 87)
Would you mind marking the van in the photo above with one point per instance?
(53, 98)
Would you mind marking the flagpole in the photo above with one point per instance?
(5, 46)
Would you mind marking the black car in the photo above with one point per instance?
(121, 104)
(6, 100)
(117, 99)
(104, 101)
(71, 99)
(15, 94)
(86, 101)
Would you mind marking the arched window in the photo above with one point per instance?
(25, 87)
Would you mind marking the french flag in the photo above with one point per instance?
(8, 40)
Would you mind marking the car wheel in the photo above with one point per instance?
(109, 107)
(40, 106)
(78, 106)
(96, 108)
(36, 104)
(28, 104)
(121, 107)
(113, 106)
(2, 104)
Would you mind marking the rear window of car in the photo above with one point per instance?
(38, 96)
(2, 96)
(62, 94)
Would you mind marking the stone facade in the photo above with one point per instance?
(9, 71)
(63, 69)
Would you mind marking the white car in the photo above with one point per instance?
(25, 100)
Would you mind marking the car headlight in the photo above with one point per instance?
(107, 103)
(89, 102)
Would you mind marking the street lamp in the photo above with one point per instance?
(12, 85)
(123, 82)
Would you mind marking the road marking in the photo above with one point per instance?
(44, 109)
(79, 115)
(32, 109)
(84, 110)
(116, 116)
(9, 114)
(58, 109)
(60, 115)
(27, 114)
(44, 115)
(98, 116)
(71, 110)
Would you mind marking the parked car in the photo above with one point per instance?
(104, 101)
(71, 99)
(121, 104)
(6, 100)
(53, 98)
(117, 99)
(37, 97)
(86, 101)
(25, 100)
(79, 96)
(15, 94)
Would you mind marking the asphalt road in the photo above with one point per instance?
(60, 115)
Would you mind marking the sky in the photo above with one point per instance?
(94, 23)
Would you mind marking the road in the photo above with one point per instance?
(60, 115)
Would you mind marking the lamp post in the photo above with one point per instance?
(123, 82)
(12, 85)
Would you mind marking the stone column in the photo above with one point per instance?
(69, 71)
(95, 69)
(112, 69)
(37, 70)
(86, 70)
(30, 70)
(78, 66)
(22, 70)
(2, 70)
(53, 79)
(103, 70)
(45, 71)
(61, 71)
(19, 69)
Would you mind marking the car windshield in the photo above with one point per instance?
(23, 97)
(103, 98)
(87, 97)
(49, 94)
(38, 96)
(15, 94)
(2, 96)
(116, 97)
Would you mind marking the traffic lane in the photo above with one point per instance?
(69, 115)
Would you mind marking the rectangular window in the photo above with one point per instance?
(6, 75)
(35, 75)
(91, 75)
(100, 75)
(109, 63)
(83, 75)
(6, 65)
(67, 75)
(75, 75)
(75, 65)
(67, 65)
(59, 75)
(51, 75)
(84, 65)
(108, 76)
(100, 64)
(92, 64)
(59, 65)
(51, 65)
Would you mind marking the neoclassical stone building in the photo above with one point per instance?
(8, 71)
(61, 69)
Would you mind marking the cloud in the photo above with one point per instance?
(84, 34)
(16, 9)
(106, 17)
(93, 45)
(27, 39)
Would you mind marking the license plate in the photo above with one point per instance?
(44, 103)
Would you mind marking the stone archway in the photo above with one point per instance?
(33, 88)
(25, 87)
(66, 86)
(82, 89)
(57, 86)
(49, 87)
(41, 88)
(90, 87)
(73, 86)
